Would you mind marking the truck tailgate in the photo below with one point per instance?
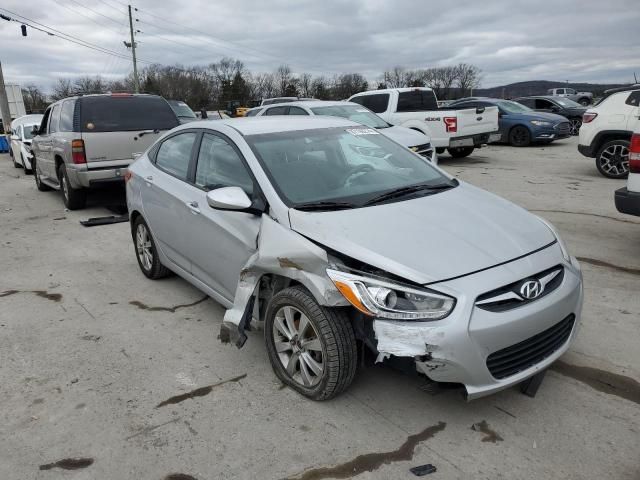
(472, 121)
(101, 148)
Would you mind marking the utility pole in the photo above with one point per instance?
(4, 105)
(136, 80)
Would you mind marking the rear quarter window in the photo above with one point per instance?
(633, 98)
(127, 113)
(417, 101)
(377, 103)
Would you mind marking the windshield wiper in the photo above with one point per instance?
(142, 134)
(323, 205)
(403, 191)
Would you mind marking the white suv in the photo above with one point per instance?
(628, 199)
(606, 131)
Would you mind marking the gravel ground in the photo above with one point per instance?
(100, 365)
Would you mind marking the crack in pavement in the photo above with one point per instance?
(600, 263)
(144, 306)
(369, 462)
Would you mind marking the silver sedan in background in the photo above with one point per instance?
(333, 236)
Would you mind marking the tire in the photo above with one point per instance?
(519, 136)
(41, 186)
(325, 348)
(146, 252)
(73, 198)
(585, 102)
(576, 123)
(612, 160)
(460, 152)
(440, 150)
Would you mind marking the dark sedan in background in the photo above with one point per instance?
(569, 109)
(519, 125)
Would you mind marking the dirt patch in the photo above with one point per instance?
(69, 464)
(490, 435)
(198, 392)
(54, 297)
(144, 306)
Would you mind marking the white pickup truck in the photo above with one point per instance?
(458, 131)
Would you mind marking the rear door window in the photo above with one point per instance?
(417, 101)
(633, 98)
(377, 103)
(174, 154)
(125, 113)
(297, 111)
(253, 113)
(542, 104)
(528, 102)
(277, 111)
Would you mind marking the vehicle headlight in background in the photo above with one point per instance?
(540, 123)
(379, 298)
(561, 244)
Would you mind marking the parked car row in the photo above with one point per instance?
(345, 243)
(22, 131)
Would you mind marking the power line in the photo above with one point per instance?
(117, 9)
(97, 13)
(86, 16)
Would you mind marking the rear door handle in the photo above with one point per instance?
(193, 206)
(148, 179)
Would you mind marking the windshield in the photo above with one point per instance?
(565, 102)
(182, 110)
(512, 107)
(355, 113)
(353, 164)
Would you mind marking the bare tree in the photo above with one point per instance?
(320, 88)
(395, 78)
(467, 78)
(284, 78)
(305, 82)
(35, 100)
(62, 89)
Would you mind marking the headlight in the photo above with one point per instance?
(561, 244)
(379, 298)
(540, 123)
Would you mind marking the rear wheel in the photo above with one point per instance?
(460, 152)
(520, 136)
(41, 186)
(146, 252)
(612, 159)
(576, 123)
(73, 198)
(312, 348)
(584, 102)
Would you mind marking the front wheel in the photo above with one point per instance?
(576, 123)
(612, 159)
(73, 198)
(460, 152)
(311, 348)
(520, 136)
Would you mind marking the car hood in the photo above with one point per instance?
(431, 238)
(405, 136)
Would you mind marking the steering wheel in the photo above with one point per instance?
(362, 168)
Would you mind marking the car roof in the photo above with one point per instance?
(276, 124)
(312, 103)
(546, 97)
(387, 90)
(27, 119)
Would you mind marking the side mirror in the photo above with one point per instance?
(228, 198)
(15, 137)
(35, 130)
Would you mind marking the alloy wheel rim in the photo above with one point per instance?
(298, 346)
(65, 187)
(615, 160)
(143, 247)
(519, 136)
(575, 126)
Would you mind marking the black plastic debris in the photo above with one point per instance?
(530, 386)
(93, 222)
(422, 470)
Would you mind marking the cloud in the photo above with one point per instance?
(510, 40)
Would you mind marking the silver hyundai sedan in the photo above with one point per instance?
(336, 237)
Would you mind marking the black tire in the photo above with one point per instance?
(73, 198)
(460, 152)
(152, 269)
(440, 150)
(331, 327)
(585, 102)
(41, 186)
(612, 159)
(519, 136)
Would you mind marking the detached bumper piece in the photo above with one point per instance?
(523, 355)
(94, 222)
(627, 202)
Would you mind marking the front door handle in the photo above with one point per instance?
(193, 206)
(148, 179)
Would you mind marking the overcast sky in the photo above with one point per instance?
(510, 40)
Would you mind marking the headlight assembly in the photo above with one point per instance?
(540, 123)
(561, 244)
(382, 299)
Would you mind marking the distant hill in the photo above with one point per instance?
(540, 87)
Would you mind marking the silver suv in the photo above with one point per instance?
(89, 141)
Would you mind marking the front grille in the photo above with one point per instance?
(508, 297)
(519, 357)
(426, 150)
(564, 128)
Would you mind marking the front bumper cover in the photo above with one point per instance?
(456, 348)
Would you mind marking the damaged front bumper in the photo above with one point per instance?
(468, 345)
